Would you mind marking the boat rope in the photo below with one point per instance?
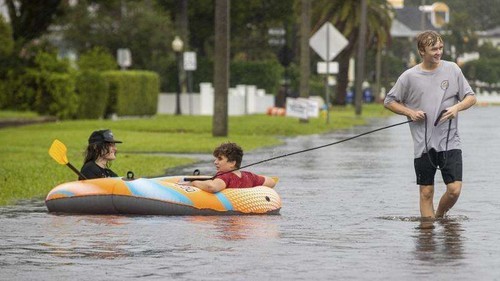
(435, 166)
(314, 148)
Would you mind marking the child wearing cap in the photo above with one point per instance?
(99, 154)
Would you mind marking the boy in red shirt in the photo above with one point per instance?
(227, 161)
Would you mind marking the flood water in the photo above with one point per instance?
(350, 212)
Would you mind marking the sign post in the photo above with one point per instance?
(190, 65)
(328, 42)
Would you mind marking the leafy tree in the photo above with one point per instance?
(250, 21)
(142, 27)
(461, 37)
(31, 19)
(6, 42)
(486, 68)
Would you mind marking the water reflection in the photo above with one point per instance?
(439, 240)
(85, 236)
(240, 227)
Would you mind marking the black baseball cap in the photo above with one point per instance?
(102, 136)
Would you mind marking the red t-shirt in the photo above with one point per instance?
(247, 180)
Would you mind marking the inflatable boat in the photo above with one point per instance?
(158, 196)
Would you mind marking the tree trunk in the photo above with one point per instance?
(305, 65)
(360, 60)
(181, 22)
(221, 68)
(342, 77)
(305, 53)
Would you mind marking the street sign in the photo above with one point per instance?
(333, 67)
(124, 58)
(189, 61)
(328, 42)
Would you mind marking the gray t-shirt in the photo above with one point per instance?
(431, 92)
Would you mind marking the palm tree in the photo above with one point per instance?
(345, 15)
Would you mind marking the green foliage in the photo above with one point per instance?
(48, 88)
(31, 19)
(97, 59)
(55, 95)
(6, 41)
(263, 74)
(54, 86)
(19, 90)
(142, 27)
(486, 68)
(132, 92)
(93, 90)
(48, 62)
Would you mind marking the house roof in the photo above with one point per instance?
(490, 33)
(408, 22)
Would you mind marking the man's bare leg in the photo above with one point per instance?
(449, 198)
(427, 201)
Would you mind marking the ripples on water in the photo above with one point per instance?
(350, 212)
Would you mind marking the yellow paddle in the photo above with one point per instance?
(58, 152)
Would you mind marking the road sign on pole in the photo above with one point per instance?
(328, 42)
(189, 61)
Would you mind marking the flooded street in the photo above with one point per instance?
(350, 212)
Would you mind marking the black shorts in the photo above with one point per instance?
(450, 163)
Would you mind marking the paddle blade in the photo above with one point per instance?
(58, 152)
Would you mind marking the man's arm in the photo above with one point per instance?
(399, 108)
(452, 111)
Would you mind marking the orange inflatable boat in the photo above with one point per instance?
(158, 196)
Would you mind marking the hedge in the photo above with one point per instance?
(93, 91)
(132, 92)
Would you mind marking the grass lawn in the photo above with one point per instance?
(27, 171)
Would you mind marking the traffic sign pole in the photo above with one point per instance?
(328, 42)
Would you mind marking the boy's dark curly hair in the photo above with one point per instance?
(231, 150)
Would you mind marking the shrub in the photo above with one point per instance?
(263, 74)
(97, 59)
(19, 90)
(93, 91)
(55, 95)
(132, 92)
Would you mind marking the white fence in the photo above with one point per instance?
(244, 99)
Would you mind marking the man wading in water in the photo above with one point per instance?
(422, 93)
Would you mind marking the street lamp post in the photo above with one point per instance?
(177, 46)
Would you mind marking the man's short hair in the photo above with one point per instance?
(427, 38)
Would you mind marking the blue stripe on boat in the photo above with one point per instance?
(223, 199)
(64, 192)
(151, 189)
